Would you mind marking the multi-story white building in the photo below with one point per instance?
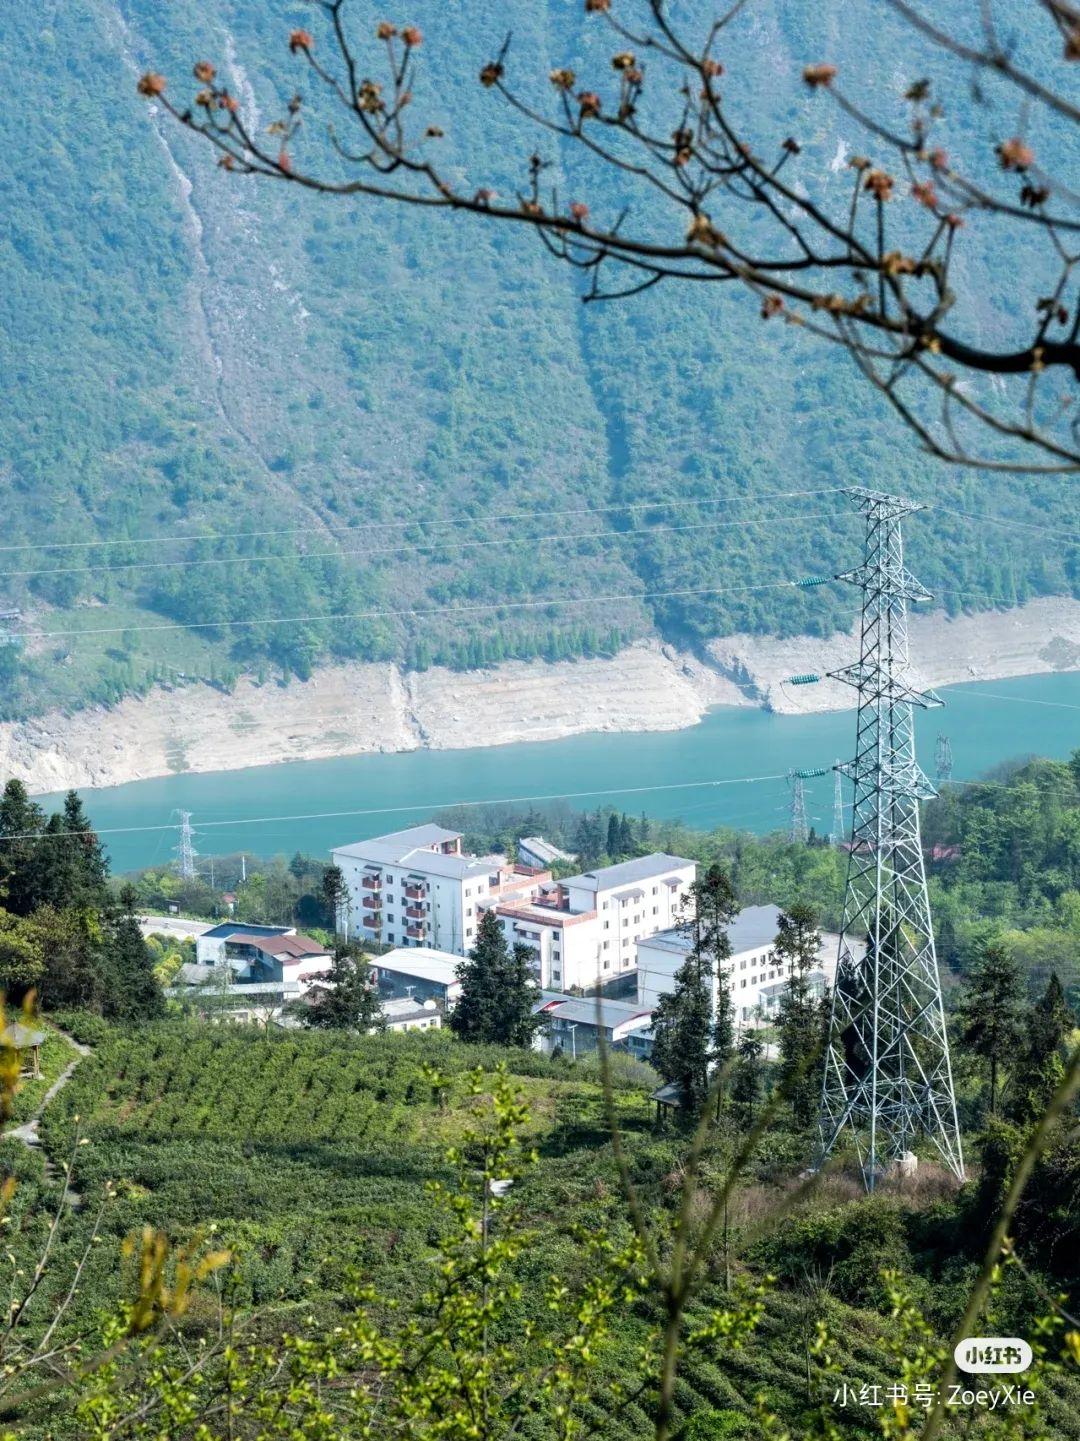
(756, 974)
(584, 930)
(417, 888)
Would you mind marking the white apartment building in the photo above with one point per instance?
(417, 888)
(756, 974)
(584, 930)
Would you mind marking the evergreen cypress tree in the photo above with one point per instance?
(991, 1013)
(336, 895)
(713, 908)
(613, 847)
(89, 867)
(798, 942)
(747, 1076)
(626, 836)
(682, 1031)
(693, 1024)
(20, 859)
(346, 999)
(1040, 1069)
(497, 990)
(131, 990)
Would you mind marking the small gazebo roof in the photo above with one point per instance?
(669, 1095)
(21, 1038)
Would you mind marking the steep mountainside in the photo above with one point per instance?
(303, 382)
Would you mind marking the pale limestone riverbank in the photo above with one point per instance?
(354, 709)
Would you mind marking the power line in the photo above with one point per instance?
(566, 539)
(432, 807)
(405, 524)
(1071, 536)
(1021, 699)
(537, 604)
(428, 806)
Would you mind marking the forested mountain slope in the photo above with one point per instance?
(187, 354)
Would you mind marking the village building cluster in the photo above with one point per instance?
(605, 944)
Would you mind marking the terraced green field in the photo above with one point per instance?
(308, 1155)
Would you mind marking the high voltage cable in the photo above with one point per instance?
(433, 807)
(1022, 699)
(485, 607)
(165, 539)
(566, 539)
(429, 806)
(537, 604)
(404, 524)
(1070, 536)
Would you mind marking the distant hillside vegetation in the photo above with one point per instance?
(188, 354)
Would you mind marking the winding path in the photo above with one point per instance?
(28, 1131)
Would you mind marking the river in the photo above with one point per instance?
(313, 805)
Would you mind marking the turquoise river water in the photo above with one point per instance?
(313, 805)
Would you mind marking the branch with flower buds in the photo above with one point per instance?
(873, 274)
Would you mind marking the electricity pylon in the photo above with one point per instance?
(838, 827)
(185, 850)
(943, 759)
(798, 825)
(888, 1078)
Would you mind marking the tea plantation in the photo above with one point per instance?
(306, 1154)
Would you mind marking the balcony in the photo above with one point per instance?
(414, 891)
(372, 903)
(371, 883)
(415, 913)
(414, 932)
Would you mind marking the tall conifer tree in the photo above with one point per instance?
(798, 942)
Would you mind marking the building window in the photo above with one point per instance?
(390, 937)
(607, 925)
(389, 879)
(468, 909)
(468, 930)
(654, 890)
(468, 891)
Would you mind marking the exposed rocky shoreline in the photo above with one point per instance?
(357, 708)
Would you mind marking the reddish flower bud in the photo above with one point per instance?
(151, 84)
(204, 72)
(300, 40)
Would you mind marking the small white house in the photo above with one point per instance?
(756, 975)
(576, 1023)
(420, 974)
(406, 1015)
(535, 851)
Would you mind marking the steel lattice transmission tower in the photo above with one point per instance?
(185, 850)
(838, 827)
(943, 759)
(798, 825)
(888, 1078)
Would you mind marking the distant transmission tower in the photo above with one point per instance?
(798, 826)
(943, 759)
(887, 1073)
(8, 619)
(838, 827)
(185, 850)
